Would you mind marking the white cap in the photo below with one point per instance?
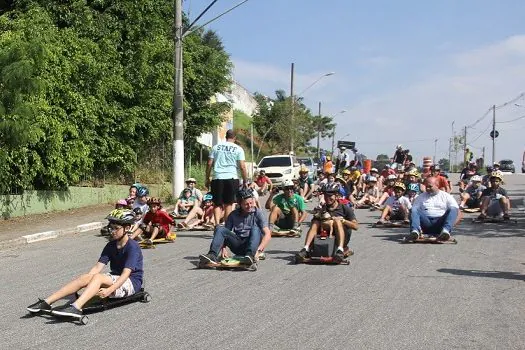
(476, 178)
(288, 183)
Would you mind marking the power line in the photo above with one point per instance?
(512, 120)
(480, 134)
(519, 97)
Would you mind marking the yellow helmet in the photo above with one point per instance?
(413, 172)
(346, 172)
(401, 185)
(303, 169)
(497, 174)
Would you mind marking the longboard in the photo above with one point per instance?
(286, 233)
(471, 210)
(323, 260)
(430, 240)
(393, 224)
(230, 264)
(494, 220)
(170, 239)
(195, 228)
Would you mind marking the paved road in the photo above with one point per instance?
(392, 296)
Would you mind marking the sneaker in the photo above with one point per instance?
(444, 235)
(262, 256)
(506, 217)
(413, 235)
(208, 259)
(148, 241)
(481, 217)
(66, 310)
(348, 252)
(40, 305)
(302, 255)
(296, 229)
(339, 256)
(381, 222)
(248, 260)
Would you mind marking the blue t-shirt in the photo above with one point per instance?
(242, 224)
(130, 256)
(225, 156)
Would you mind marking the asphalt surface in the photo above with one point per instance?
(391, 296)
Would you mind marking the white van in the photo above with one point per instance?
(280, 168)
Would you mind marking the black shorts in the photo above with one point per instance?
(224, 191)
(286, 222)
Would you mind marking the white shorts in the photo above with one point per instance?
(125, 290)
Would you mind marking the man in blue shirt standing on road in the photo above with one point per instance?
(226, 158)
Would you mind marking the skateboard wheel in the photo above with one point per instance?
(146, 298)
(84, 320)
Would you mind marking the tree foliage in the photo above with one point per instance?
(273, 121)
(86, 87)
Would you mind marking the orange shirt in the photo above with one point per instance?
(328, 167)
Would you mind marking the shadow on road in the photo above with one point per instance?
(488, 274)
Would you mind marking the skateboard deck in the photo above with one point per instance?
(195, 228)
(495, 220)
(391, 224)
(430, 240)
(173, 216)
(170, 239)
(286, 233)
(471, 210)
(323, 260)
(230, 264)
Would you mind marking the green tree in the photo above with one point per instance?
(444, 164)
(383, 157)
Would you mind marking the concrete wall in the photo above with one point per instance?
(38, 202)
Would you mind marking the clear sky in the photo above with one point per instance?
(405, 70)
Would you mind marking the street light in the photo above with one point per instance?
(333, 132)
(293, 99)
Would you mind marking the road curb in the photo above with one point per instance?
(43, 236)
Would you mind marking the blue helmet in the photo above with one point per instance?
(207, 197)
(245, 193)
(142, 191)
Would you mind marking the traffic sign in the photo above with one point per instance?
(494, 133)
(347, 144)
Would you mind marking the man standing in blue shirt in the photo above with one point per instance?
(226, 158)
(245, 232)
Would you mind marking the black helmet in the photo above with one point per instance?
(244, 193)
(332, 188)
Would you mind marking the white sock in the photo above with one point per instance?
(307, 248)
(340, 248)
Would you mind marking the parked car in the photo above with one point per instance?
(308, 162)
(280, 168)
(507, 165)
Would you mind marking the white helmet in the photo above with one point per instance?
(374, 170)
(399, 146)
(342, 148)
(288, 183)
(391, 177)
(372, 179)
(476, 178)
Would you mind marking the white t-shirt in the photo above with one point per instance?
(436, 205)
(395, 203)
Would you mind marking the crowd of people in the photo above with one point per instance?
(401, 192)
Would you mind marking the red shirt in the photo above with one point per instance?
(261, 180)
(161, 218)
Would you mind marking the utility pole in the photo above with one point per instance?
(493, 134)
(465, 160)
(177, 110)
(450, 155)
(453, 146)
(292, 99)
(319, 126)
(435, 150)
(483, 157)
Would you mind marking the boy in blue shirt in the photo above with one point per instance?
(125, 278)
